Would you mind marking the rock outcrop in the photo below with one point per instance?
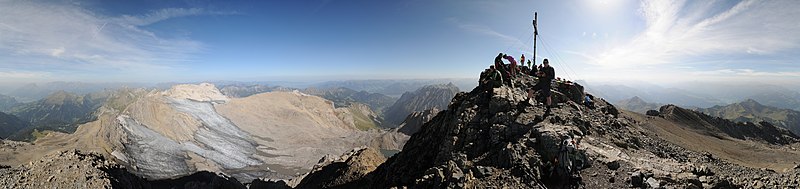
(343, 171)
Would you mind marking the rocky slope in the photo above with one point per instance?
(342, 171)
(636, 104)
(427, 97)
(497, 140)
(752, 111)
(76, 169)
(294, 129)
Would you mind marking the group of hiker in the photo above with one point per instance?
(501, 73)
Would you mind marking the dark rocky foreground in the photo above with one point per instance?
(76, 169)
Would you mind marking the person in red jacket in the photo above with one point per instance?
(513, 69)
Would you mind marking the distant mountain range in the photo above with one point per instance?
(6, 102)
(61, 111)
(428, 97)
(33, 91)
(698, 94)
(636, 104)
(396, 87)
(343, 97)
(752, 111)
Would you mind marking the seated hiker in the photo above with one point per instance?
(499, 65)
(482, 77)
(533, 70)
(495, 78)
(588, 102)
(546, 76)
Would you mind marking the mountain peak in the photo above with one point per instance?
(60, 97)
(751, 101)
(197, 92)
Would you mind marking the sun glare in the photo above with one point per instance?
(604, 6)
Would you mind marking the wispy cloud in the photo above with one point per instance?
(485, 30)
(164, 14)
(64, 36)
(677, 30)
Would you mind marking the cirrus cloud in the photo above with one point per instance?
(40, 37)
(679, 30)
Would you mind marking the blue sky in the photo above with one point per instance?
(595, 40)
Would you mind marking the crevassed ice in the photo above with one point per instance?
(154, 155)
(157, 156)
(220, 140)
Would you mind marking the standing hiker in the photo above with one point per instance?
(546, 75)
(513, 68)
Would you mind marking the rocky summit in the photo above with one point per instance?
(496, 138)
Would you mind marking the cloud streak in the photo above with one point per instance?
(164, 14)
(485, 30)
(678, 30)
(41, 37)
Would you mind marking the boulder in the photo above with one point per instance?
(652, 113)
(637, 179)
